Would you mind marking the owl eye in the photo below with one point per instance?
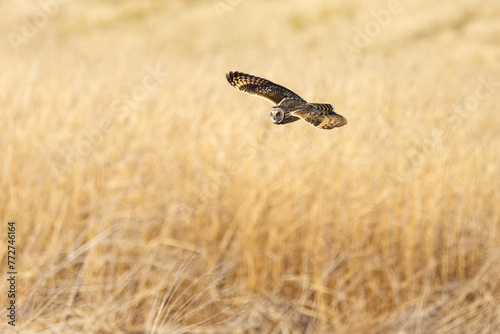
(279, 116)
(272, 113)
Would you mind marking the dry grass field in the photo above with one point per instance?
(149, 196)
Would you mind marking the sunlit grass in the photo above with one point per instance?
(179, 208)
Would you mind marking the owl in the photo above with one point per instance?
(289, 107)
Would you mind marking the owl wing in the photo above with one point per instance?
(320, 115)
(261, 87)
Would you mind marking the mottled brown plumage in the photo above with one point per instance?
(289, 107)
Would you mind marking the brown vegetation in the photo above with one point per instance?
(150, 196)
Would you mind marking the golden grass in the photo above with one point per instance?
(179, 208)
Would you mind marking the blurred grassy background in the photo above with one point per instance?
(150, 196)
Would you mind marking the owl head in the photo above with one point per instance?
(276, 114)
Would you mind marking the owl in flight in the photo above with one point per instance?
(289, 107)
